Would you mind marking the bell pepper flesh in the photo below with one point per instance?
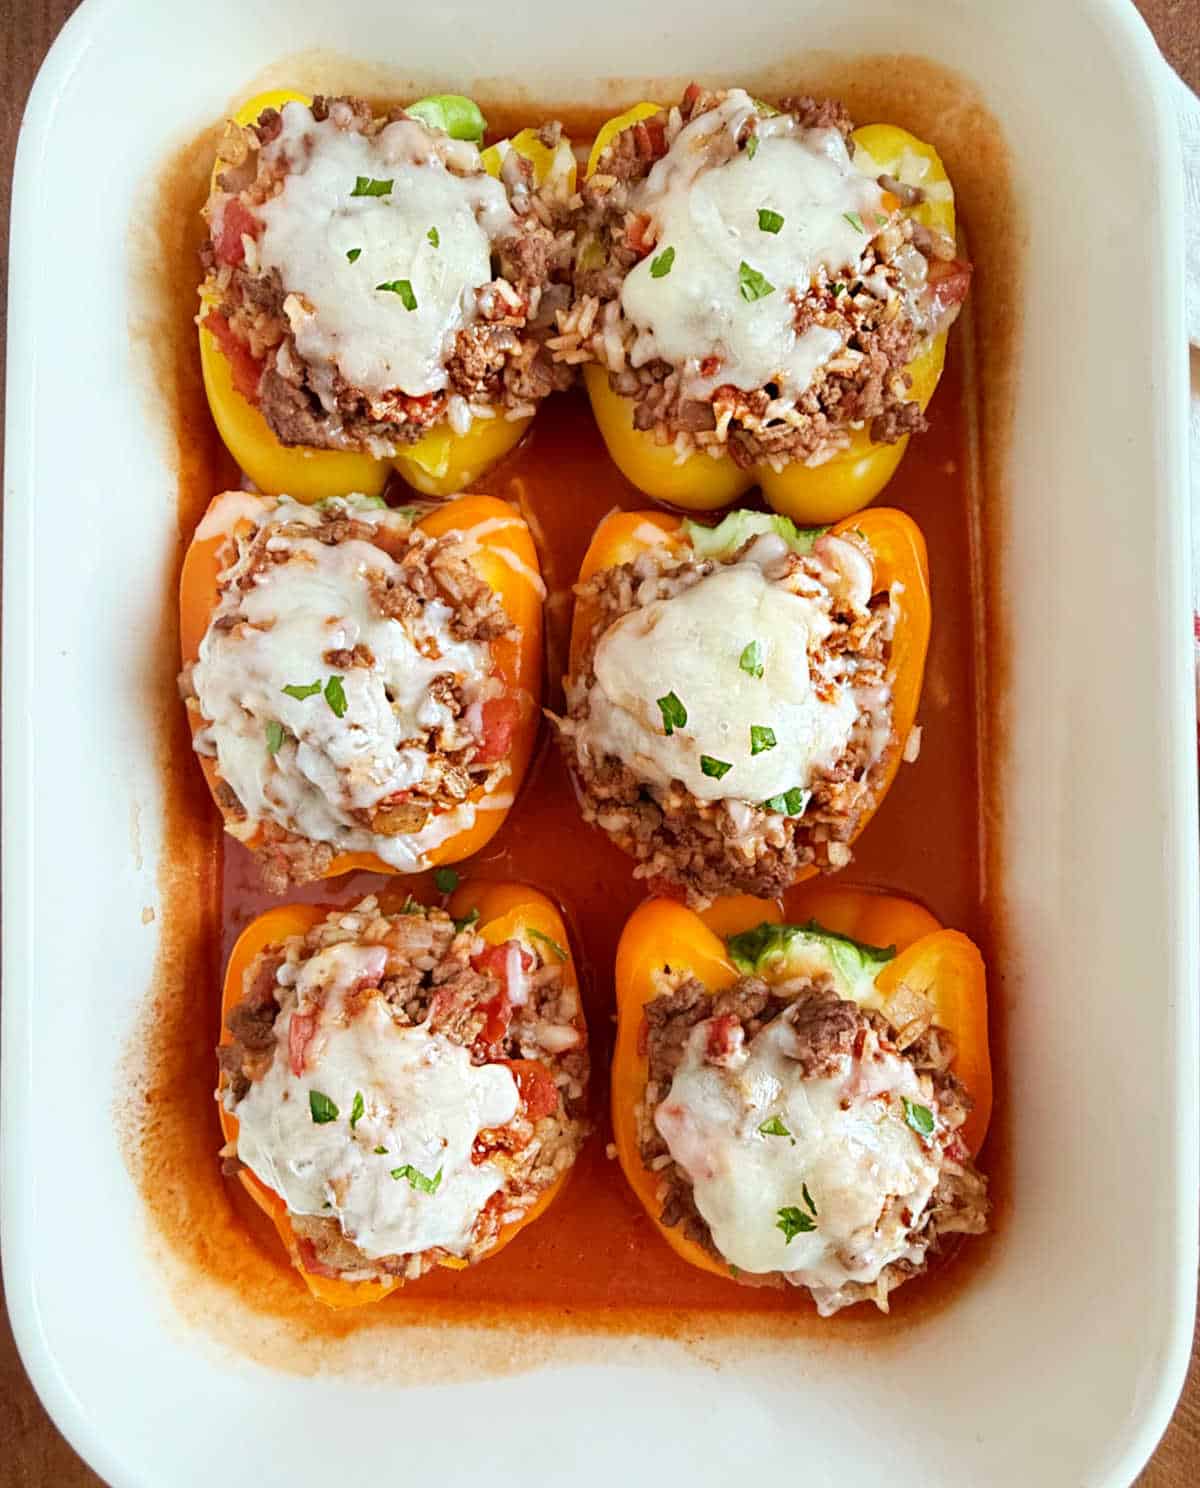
(661, 934)
(504, 556)
(506, 912)
(810, 495)
(440, 463)
(901, 565)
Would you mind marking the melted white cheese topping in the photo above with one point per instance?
(423, 1100)
(708, 213)
(316, 601)
(339, 317)
(691, 644)
(864, 1168)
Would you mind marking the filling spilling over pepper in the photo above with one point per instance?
(730, 713)
(352, 690)
(408, 1089)
(803, 1125)
(370, 279)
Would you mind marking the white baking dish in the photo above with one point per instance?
(1061, 1359)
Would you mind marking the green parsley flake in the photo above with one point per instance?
(793, 1222)
(838, 288)
(275, 736)
(547, 940)
(357, 1109)
(790, 803)
(380, 1150)
(466, 922)
(714, 768)
(446, 880)
(368, 186)
(352, 255)
(403, 288)
(674, 714)
(752, 147)
(751, 660)
(920, 1118)
(855, 221)
(768, 221)
(752, 284)
(734, 1271)
(417, 1179)
(321, 1108)
(774, 1128)
(660, 267)
(808, 1199)
(335, 696)
(762, 738)
(299, 692)
(434, 238)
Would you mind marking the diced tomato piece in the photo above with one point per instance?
(638, 234)
(300, 1035)
(723, 1038)
(493, 961)
(499, 1013)
(948, 284)
(536, 1087)
(499, 723)
(236, 220)
(245, 368)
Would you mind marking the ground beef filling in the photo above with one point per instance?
(705, 849)
(430, 569)
(443, 976)
(865, 384)
(827, 1029)
(499, 360)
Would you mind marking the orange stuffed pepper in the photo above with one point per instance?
(373, 290)
(800, 1087)
(362, 682)
(401, 1091)
(762, 298)
(740, 697)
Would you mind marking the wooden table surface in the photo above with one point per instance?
(32, 1453)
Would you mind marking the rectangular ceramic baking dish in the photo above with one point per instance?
(1061, 1361)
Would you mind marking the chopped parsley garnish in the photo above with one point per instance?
(275, 736)
(357, 1109)
(466, 922)
(790, 803)
(352, 254)
(380, 1150)
(299, 692)
(808, 1199)
(920, 1118)
(837, 289)
(751, 659)
(768, 221)
(793, 1222)
(752, 284)
(762, 738)
(855, 221)
(434, 237)
(368, 186)
(660, 266)
(335, 696)
(550, 941)
(321, 1108)
(774, 1128)
(714, 768)
(403, 288)
(752, 147)
(417, 1179)
(674, 714)
(734, 1271)
(446, 880)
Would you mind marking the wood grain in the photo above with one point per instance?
(32, 1453)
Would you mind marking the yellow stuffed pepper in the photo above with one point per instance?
(762, 298)
(800, 1087)
(362, 682)
(401, 1091)
(371, 289)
